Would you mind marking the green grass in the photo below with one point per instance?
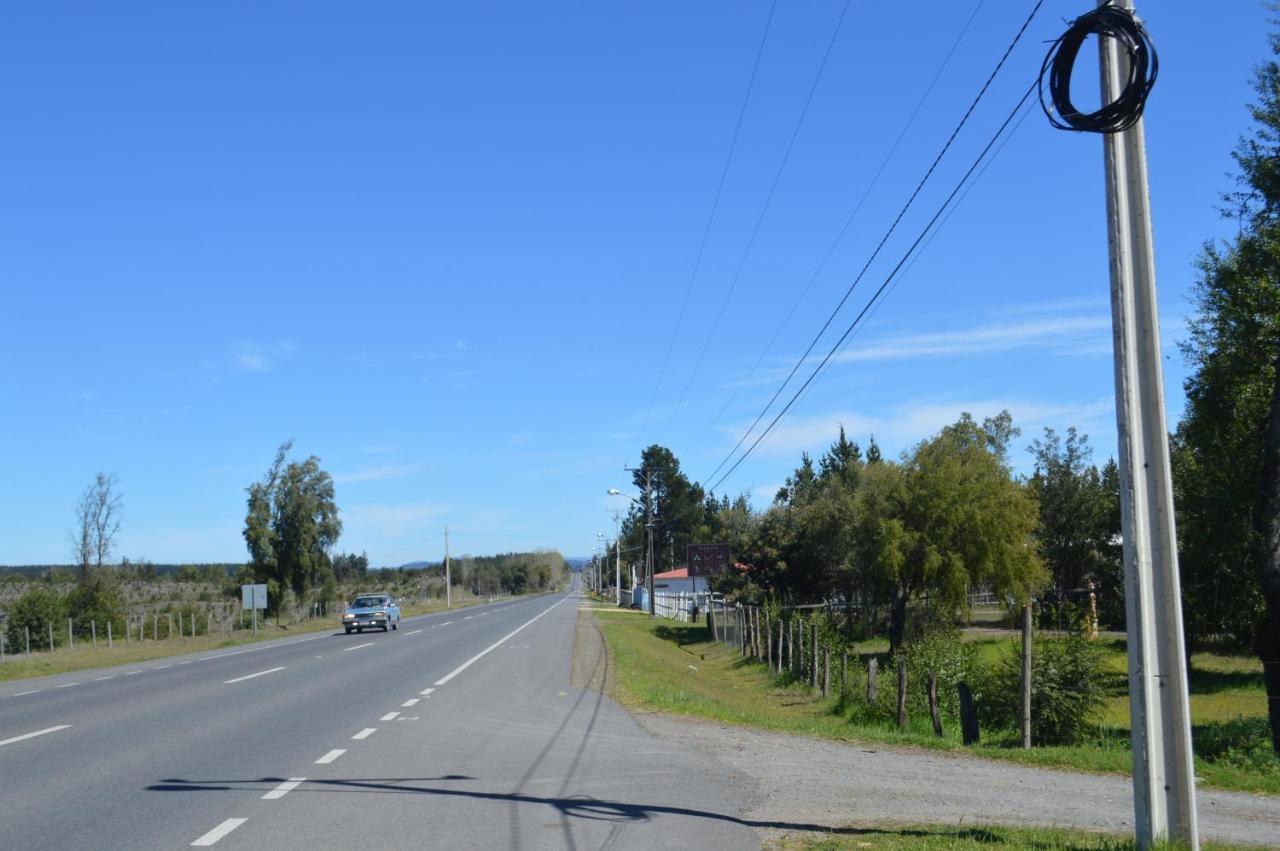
(968, 838)
(84, 656)
(675, 667)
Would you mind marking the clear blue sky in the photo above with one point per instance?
(443, 247)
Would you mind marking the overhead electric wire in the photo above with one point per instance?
(883, 286)
(755, 231)
(1026, 110)
(848, 222)
(892, 228)
(715, 205)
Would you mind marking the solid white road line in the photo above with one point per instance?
(4, 742)
(365, 733)
(331, 756)
(358, 646)
(390, 716)
(251, 676)
(218, 832)
(414, 632)
(283, 789)
(493, 647)
(413, 701)
(426, 691)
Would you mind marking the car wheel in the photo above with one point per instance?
(348, 630)
(360, 630)
(395, 625)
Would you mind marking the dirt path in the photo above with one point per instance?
(797, 779)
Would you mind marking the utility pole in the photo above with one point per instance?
(648, 527)
(1163, 769)
(448, 579)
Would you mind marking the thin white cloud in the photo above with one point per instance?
(1064, 334)
(250, 356)
(376, 473)
(903, 427)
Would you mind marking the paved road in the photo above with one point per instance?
(461, 727)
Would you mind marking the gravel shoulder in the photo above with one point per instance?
(786, 778)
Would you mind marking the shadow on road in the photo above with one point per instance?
(573, 806)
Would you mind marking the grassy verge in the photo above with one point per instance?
(675, 667)
(84, 656)
(968, 838)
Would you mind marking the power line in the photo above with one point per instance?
(883, 286)
(876, 252)
(755, 231)
(715, 205)
(848, 222)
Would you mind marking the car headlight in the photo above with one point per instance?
(379, 614)
(347, 617)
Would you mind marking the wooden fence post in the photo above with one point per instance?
(826, 669)
(844, 669)
(110, 644)
(902, 691)
(768, 640)
(968, 715)
(872, 668)
(933, 705)
(813, 641)
(93, 632)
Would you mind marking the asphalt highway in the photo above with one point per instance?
(458, 729)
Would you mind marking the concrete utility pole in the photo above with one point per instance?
(648, 527)
(448, 579)
(1163, 770)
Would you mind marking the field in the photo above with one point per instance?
(675, 667)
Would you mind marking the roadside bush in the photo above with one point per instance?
(96, 600)
(1242, 742)
(950, 659)
(38, 607)
(1067, 689)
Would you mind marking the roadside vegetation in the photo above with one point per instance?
(677, 667)
(59, 618)
(974, 837)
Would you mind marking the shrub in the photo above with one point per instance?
(1067, 689)
(38, 607)
(97, 599)
(950, 659)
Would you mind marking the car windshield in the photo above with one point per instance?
(367, 602)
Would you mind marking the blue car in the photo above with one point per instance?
(372, 611)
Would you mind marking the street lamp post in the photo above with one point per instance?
(648, 528)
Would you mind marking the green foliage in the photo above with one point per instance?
(38, 607)
(950, 659)
(95, 601)
(1067, 689)
(292, 522)
(1076, 527)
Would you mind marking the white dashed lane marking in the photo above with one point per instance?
(251, 676)
(413, 701)
(426, 691)
(26, 736)
(358, 646)
(283, 789)
(365, 733)
(218, 832)
(331, 756)
(390, 716)
(414, 632)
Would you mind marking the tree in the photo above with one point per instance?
(679, 508)
(97, 523)
(292, 523)
(965, 522)
(1228, 442)
(1072, 530)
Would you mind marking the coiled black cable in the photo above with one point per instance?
(1108, 21)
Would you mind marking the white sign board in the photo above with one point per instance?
(253, 596)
